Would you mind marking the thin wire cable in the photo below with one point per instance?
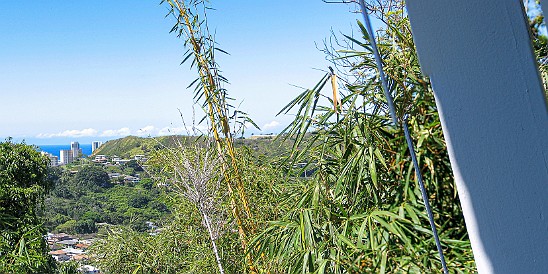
(373, 42)
(424, 194)
(392, 109)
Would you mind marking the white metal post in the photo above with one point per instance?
(479, 57)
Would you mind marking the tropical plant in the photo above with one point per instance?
(23, 185)
(361, 211)
(209, 92)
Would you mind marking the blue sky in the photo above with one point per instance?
(87, 70)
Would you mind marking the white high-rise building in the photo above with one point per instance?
(65, 156)
(95, 145)
(76, 150)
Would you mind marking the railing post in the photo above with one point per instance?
(479, 57)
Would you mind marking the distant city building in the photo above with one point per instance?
(66, 156)
(264, 136)
(100, 159)
(76, 150)
(140, 157)
(74, 145)
(95, 145)
(54, 160)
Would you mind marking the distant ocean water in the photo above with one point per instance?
(54, 149)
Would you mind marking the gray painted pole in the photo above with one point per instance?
(479, 57)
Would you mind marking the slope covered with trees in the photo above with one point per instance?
(80, 200)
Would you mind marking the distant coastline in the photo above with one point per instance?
(54, 149)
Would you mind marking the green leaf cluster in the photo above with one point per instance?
(23, 185)
(361, 212)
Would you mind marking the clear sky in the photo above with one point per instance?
(97, 70)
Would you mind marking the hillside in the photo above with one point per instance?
(130, 146)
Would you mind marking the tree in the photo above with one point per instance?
(23, 185)
(93, 177)
(85, 226)
(192, 174)
(146, 183)
(133, 164)
(138, 200)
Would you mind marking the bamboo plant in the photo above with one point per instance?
(360, 212)
(191, 26)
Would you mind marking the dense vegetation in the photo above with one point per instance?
(83, 194)
(23, 185)
(240, 205)
(179, 248)
(360, 211)
(86, 197)
(183, 245)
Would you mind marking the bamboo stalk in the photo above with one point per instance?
(216, 111)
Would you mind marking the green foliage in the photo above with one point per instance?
(92, 177)
(138, 200)
(362, 212)
(79, 201)
(223, 118)
(83, 226)
(23, 185)
(181, 247)
(146, 183)
(133, 165)
(68, 268)
(68, 226)
(267, 149)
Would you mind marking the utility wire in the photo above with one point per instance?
(423, 192)
(378, 60)
(394, 117)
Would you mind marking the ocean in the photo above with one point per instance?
(54, 149)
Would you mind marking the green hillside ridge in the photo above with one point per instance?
(130, 146)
